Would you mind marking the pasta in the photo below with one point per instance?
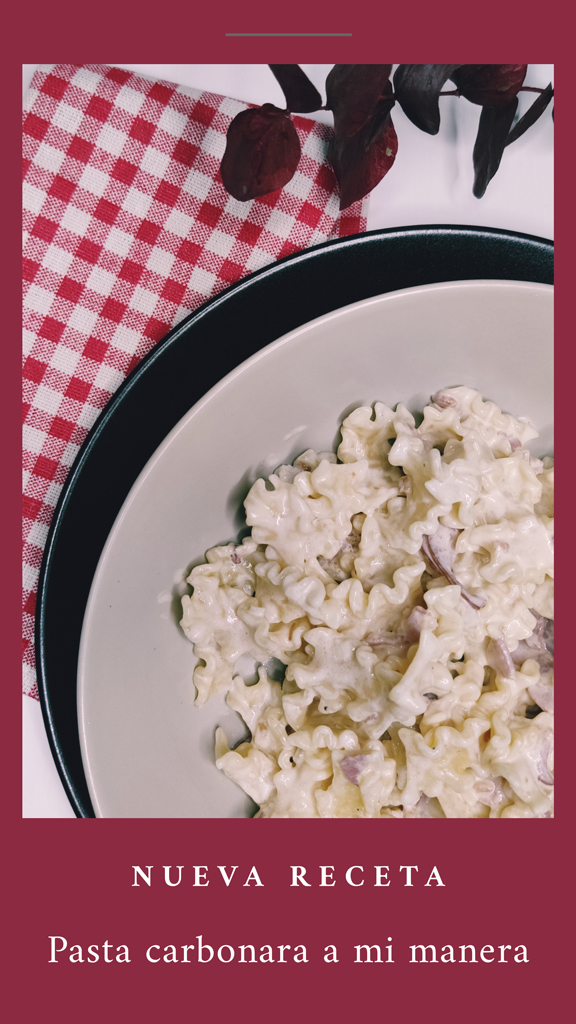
(404, 587)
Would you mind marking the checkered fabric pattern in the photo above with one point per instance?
(127, 229)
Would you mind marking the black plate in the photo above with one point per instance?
(193, 357)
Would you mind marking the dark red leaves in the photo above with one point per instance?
(490, 85)
(495, 87)
(301, 96)
(490, 142)
(361, 161)
(352, 92)
(417, 88)
(365, 143)
(262, 152)
(531, 115)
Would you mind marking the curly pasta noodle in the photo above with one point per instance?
(406, 585)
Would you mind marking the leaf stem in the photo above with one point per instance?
(530, 88)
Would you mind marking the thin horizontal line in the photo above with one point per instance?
(283, 34)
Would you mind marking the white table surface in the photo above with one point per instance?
(430, 183)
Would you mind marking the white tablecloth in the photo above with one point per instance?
(430, 183)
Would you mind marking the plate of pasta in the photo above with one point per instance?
(329, 591)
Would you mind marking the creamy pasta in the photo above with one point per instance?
(405, 586)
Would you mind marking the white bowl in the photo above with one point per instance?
(148, 752)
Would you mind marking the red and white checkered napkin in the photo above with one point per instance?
(127, 229)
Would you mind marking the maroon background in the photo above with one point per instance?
(505, 882)
(498, 889)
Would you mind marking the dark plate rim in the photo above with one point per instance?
(535, 256)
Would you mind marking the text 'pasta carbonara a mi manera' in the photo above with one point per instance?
(406, 585)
